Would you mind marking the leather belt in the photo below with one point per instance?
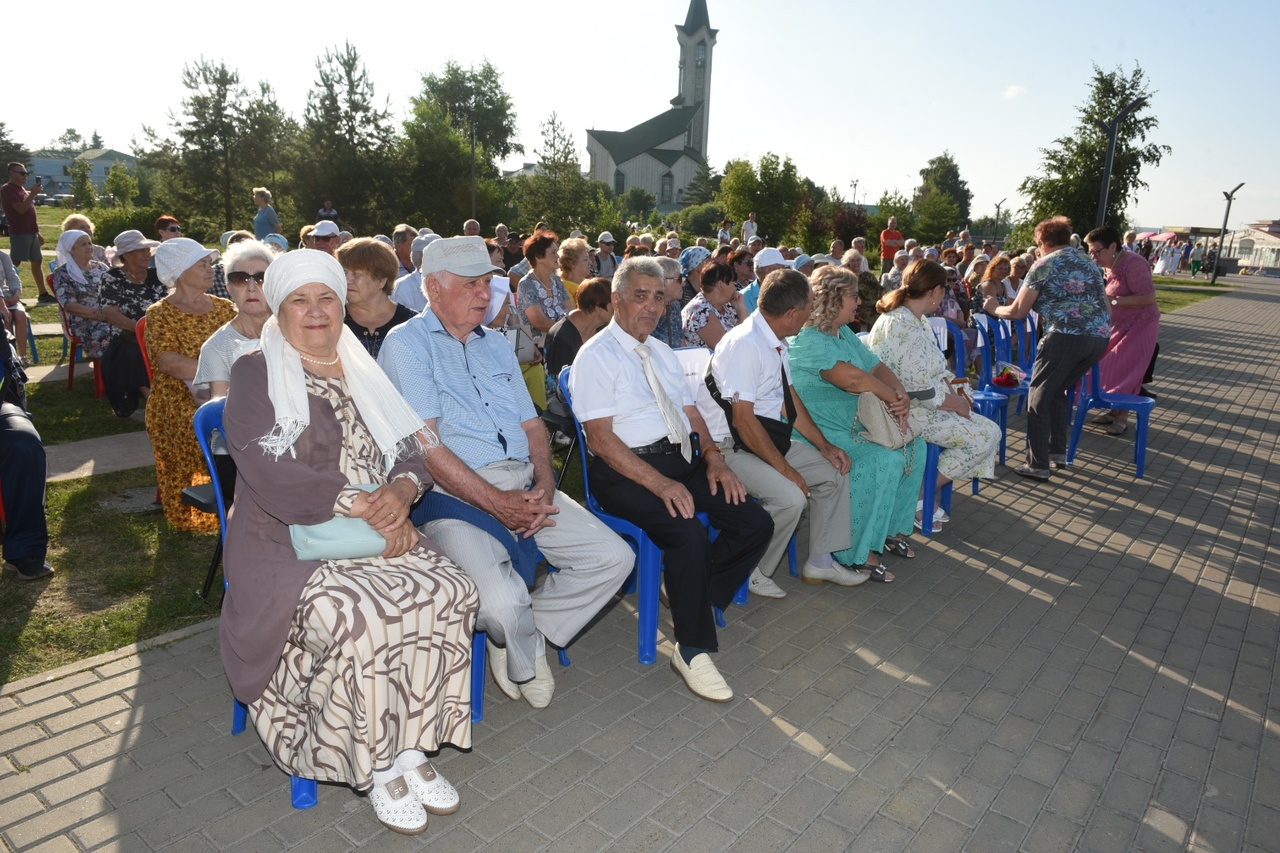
(658, 448)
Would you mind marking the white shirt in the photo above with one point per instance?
(748, 365)
(409, 293)
(607, 381)
(749, 230)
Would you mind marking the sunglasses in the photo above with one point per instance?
(16, 172)
(245, 277)
(174, 229)
(325, 239)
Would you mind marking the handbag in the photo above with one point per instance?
(878, 425)
(779, 432)
(339, 538)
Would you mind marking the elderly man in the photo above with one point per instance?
(755, 245)
(402, 242)
(471, 228)
(766, 261)
(325, 236)
(495, 457)
(750, 228)
(630, 394)
(408, 290)
(753, 379)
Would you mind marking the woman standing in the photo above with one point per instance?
(265, 220)
(905, 343)
(1135, 321)
(352, 669)
(371, 268)
(830, 368)
(177, 326)
(1065, 287)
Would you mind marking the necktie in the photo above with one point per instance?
(676, 431)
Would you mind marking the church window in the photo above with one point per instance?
(619, 182)
(668, 188)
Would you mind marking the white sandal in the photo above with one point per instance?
(397, 808)
(434, 791)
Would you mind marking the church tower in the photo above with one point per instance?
(697, 42)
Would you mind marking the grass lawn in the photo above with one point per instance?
(1171, 300)
(120, 578)
(1188, 281)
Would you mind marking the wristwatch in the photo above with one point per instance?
(1115, 301)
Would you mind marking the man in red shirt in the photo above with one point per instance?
(24, 231)
(890, 242)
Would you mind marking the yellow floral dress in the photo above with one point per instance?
(179, 462)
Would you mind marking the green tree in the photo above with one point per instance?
(557, 193)
(942, 174)
(891, 204)
(82, 184)
(1069, 182)
(10, 149)
(121, 185)
(698, 220)
(475, 95)
(435, 162)
(936, 213)
(637, 203)
(703, 187)
(96, 141)
(772, 191)
(69, 144)
(346, 139)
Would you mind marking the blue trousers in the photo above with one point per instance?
(22, 476)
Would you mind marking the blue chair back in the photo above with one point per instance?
(208, 418)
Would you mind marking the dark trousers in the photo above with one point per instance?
(22, 476)
(1060, 363)
(697, 572)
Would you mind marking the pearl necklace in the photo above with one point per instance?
(319, 362)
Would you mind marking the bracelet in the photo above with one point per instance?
(712, 449)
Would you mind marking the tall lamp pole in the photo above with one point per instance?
(999, 205)
(1222, 238)
(1112, 130)
(473, 160)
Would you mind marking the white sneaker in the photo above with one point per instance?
(836, 574)
(539, 691)
(498, 666)
(435, 793)
(764, 586)
(397, 808)
(701, 677)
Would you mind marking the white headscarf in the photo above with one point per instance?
(64, 259)
(392, 421)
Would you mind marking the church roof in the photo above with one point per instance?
(697, 18)
(623, 145)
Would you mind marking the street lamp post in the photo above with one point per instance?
(1112, 130)
(999, 205)
(1222, 237)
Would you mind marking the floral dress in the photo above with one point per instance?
(532, 292)
(696, 314)
(170, 408)
(906, 344)
(884, 484)
(95, 334)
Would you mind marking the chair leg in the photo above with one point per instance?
(1140, 444)
(304, 792)
(743, 595)
(239, 716)
(793, 560)
(564, 466)
(648, 576)
(99, 382)
(930, 496)
(479, 661)
(213, 571)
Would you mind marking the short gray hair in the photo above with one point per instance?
(404, 233)
(632, 267)
(670, 266)
(264, 192)
(247, 250)
(782, 291)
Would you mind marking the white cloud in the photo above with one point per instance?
(1013, 91)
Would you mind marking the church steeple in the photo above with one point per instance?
(697, 42)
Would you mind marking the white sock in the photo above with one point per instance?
(410, 759)
(821, 561)
(540, 650)
(382, 777)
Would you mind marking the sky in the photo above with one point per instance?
(847, 91)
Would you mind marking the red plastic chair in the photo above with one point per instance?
(141, 331)
(76, 352)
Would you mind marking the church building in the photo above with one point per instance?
(663, 154)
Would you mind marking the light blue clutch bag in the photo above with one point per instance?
(339, 538)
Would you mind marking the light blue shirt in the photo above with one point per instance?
(751, 295)
(409, 293)
(474, 390)
(265, 222)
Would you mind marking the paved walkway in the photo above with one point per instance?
(1089, 664)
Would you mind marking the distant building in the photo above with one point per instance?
(55, 172)
(1257, 247)
(663, 154)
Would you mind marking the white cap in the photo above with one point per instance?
(464, 256)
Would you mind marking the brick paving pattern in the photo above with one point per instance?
(1085, 665)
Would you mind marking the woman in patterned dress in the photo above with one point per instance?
(352, 669)
(905, 343)
(177, 326)
(541, 300)
(128, 291)
(77, 282)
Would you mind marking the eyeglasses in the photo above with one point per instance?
(246, 277)
(325, 239)
(174, 229)
(16, 172)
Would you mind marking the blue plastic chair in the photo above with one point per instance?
(1091, 396)
(992, 406)
(304, 793)
(999, 347)
(647, 576)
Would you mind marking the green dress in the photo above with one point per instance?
(882, 491)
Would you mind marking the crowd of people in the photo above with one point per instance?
(400, 380)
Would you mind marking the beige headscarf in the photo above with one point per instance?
(390, 419)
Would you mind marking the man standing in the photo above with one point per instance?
(24, 232)
(749, 228)
(753, 377)
(629, 392)
(471, 228)
(494, 456)
(890, 242)
(402, 242)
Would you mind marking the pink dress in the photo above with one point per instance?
(1134, 331)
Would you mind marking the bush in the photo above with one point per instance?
(110, 222)
(698, 220)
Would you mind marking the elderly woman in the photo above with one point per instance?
(575, 265)
(905, 343)
(1065, 287)
(692, 260)
(830, 368)
(127, 292)
(566, 337)
(265, 221)
(352, 667)
(714, 311)
(371, 268)
(77, 282)
(1135, 321)
(670, 328)
(177, 326)
(80, 222)
(973, 278)
(892, 279)
(541, 300)
(994, 283)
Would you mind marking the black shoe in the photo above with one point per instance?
(47, 299)
(1145, 393)
(1034, 473)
